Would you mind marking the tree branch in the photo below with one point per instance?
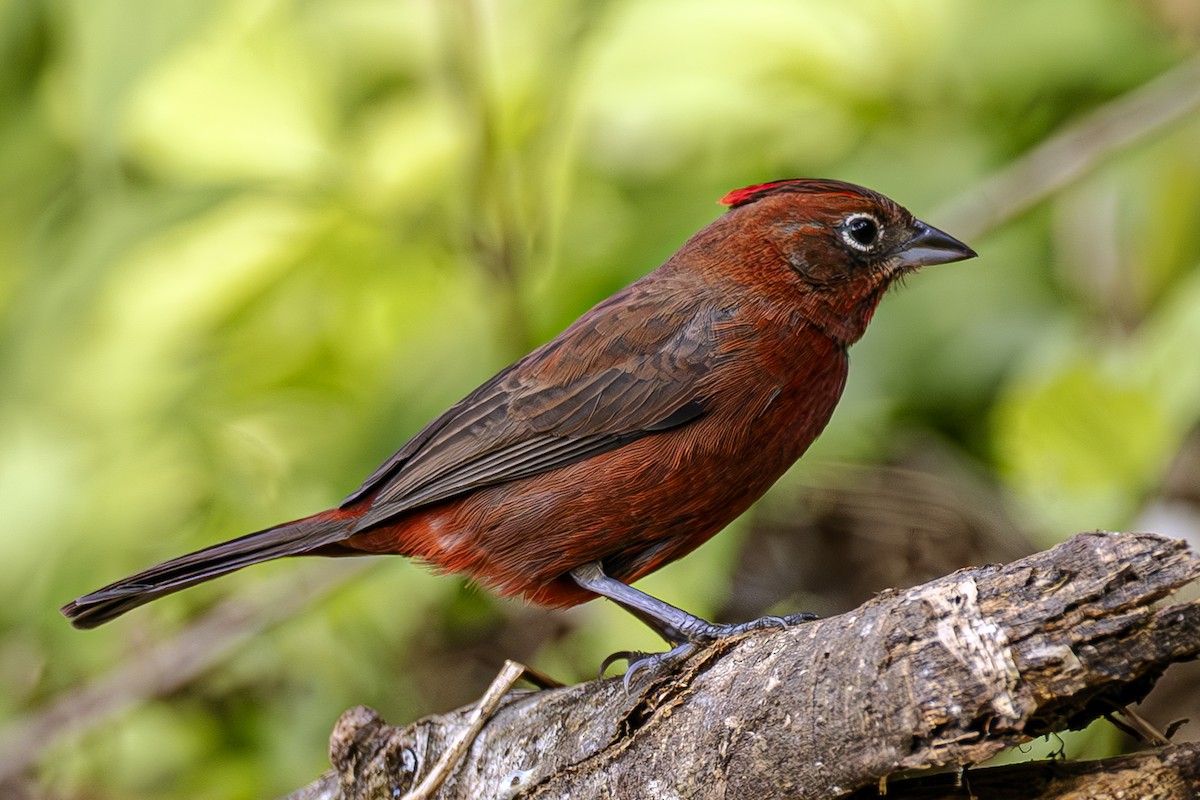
(1072, 152)
(947, 673)
(1166, 773)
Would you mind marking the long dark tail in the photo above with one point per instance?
(289, 539)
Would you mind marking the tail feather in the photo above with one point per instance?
(289, 539)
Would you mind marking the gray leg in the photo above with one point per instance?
(673, 624)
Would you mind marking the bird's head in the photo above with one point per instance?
(839, 244)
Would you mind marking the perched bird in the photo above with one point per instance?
(637, 433)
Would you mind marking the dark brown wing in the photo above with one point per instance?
(630, 367)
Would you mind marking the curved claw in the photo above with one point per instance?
(629, 656)
(652, 662)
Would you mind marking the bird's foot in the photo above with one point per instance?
(646, 664)
(687, 638)
(700, 630)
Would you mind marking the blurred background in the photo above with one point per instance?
(248, 247)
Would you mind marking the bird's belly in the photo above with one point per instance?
(633, 509)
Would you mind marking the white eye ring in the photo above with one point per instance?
(853, 227)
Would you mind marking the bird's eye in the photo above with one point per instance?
(861, 231)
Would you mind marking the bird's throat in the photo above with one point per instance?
(843, 317)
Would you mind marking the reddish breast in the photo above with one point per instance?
(651, 501)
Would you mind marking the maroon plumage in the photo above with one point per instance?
(638, 432)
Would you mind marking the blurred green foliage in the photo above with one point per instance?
(248, 247)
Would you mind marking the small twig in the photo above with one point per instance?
(509, 674)
(541, 680)
(1139, 727)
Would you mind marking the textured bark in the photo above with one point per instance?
(1165, 773)
(947, 673)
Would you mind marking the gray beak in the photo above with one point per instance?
(930, 246)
